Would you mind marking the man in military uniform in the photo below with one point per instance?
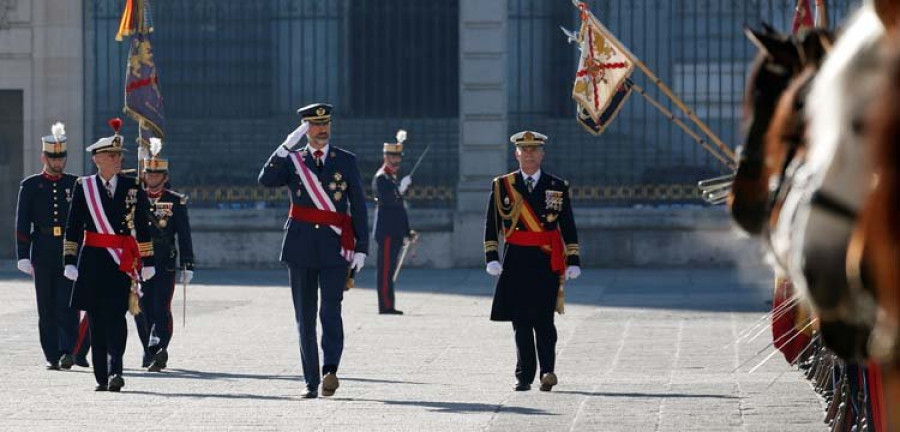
(40, 219)
(391, 223)
(533, 212)
(169, 219)
(102, 217)
(327, 230)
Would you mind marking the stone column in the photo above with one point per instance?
(483, 101)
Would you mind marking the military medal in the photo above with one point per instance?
(553, 200)
(332, 186)
(69, 195)
(338, 195)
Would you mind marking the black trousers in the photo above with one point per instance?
(154, 323)
(388, 250)
(306, 283)
(57, 322)
(109, 333)
(529, 331)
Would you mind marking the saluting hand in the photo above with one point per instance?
(292, 139)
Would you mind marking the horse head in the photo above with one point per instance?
(830, 186)
(775, 65)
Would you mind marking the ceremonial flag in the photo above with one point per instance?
(603, 68)
(143, 99)
(803, 17)
(606, 117)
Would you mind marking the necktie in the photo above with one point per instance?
(318, 155)
(529, 181)
(109, 192)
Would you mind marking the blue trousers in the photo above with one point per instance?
(306, 282)
(57, 322)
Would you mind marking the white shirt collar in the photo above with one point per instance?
(112, 182)
(536, 176)
(324, 152)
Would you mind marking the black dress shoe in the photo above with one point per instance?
(391, 312)
(522, 386)
(81, 361)
(116, 383)
(52, 365)
(160, 359)
(147, 360)
(309, 394)
(101, 387)
(66, 361)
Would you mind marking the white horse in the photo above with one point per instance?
(831, 185)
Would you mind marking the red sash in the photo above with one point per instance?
(542, 238)
(339, 220)
(126, 243)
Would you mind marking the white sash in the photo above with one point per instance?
(317, 193)
(95, 206)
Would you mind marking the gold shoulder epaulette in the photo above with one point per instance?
(181, 197)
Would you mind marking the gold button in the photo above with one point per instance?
(317, 226)
(55, 205)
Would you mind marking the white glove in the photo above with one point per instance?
(143, 153)
(24, 266)
(292, 139)
(494, 268)
(358, 260)
(404, 184)
(572, 272)
(187, 276)
(70, 272)
(147, 273)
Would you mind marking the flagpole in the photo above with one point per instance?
(678, 122)
(653, 78)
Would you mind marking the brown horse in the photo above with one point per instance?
(874, 256)
(773, 69)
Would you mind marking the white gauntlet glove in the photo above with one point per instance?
(187, 276)
(494, 268)
(70, 272)
(147, 273)
(359, 259)
(404, 184)
(572, 272)
(292, 139)
(24, 266)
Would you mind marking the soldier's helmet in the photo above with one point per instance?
(156, 164)
(111, 143)
(396, 148)
(54, 145)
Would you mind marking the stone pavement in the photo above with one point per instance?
(639, 350)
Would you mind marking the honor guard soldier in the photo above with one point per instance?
(101, 219)
(391, 222)
(40, 220)
(327, 231)
(532, 211)
(168, 219)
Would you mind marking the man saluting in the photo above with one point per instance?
(327, 231)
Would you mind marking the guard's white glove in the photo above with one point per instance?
(147, 273)
(24, 266)
(404, 184)
(494, 268)
(359, 259)
(70, 272)
(187, 276)
(572, 272)
(292, 139)
(143, 153)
